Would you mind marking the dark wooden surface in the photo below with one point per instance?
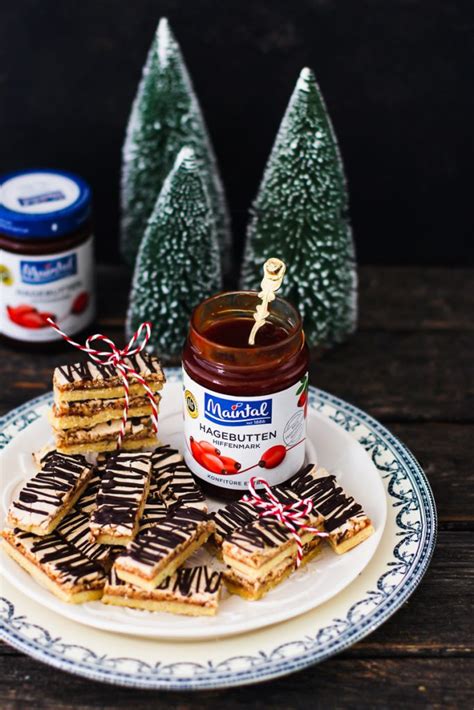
(410, 365)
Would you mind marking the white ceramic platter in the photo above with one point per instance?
(335, 600)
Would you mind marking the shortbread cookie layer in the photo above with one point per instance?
(175, 481)
(121, 498)
(158, 552)
(88, 420)
(105, 446)
(134, 429)
(96, 378)
(56, 565)
(344, 519)
(49, 495)
(192, 591)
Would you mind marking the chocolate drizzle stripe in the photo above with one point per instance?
(121, 490)
(74, 529)
(175, 481)
(154, 544)
(87, 371)
(186, 582)
(60, 559)
(329, 498)
(44, 494)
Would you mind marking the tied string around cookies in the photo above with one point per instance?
(116, 357)
(291, 515)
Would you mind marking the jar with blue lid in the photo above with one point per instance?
(46, 255)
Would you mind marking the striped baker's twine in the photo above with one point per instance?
(291, 515)
(116, 358)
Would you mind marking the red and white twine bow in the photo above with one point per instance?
(115, 357)
(291, 515)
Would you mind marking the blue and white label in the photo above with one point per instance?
(237, 412)
(49, 270)
(229, 439)
(35, 288)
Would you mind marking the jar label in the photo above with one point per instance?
(229, 439)
(60, 286)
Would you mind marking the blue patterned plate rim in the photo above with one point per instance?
(362, 618)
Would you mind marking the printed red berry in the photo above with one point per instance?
(272, 457)
(213, 463)
(196, 450)
(32, 320)
(231, 465)
(303, 398)
(18, 311)
(209, 448)
(80, 303)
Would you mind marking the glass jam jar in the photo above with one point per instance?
(46, 256)
(244, 406)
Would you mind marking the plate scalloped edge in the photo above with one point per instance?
(416, 521)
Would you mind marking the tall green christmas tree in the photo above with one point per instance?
(165, 116)
(178, 261)
(300, 215)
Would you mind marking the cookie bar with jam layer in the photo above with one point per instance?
(174, 480)
(121, 498)
(50, 494)
(192, 591)
(263, 553)
(56, 564)
(344, 519)
(160, 550)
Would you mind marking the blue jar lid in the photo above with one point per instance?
(43, 204)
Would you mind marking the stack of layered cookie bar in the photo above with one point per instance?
(260, 552)
(118, 531)
(88, 406)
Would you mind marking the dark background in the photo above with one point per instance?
(397, 76)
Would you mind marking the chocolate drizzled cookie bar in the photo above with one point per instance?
(263, 553)
(74, 528)
(234, 516)
(89, 401)
(121, 497)
(56, 564)
(192, 591)
(174, 480)
(344, 519)
(228, 519)
(157, 552)
(50, 494)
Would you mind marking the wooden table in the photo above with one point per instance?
(411, 365)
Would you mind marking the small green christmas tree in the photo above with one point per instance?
(300, 215)
(178, 261)
(165, 117)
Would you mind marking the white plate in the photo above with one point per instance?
(314, 584)
(395, 570)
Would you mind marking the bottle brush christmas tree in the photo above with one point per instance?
(165, 117)
(178, 262)
(300, 215)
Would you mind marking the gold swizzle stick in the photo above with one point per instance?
(273, 273)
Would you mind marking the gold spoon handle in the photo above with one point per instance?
(273, 273)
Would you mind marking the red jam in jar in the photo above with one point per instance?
(46, 256)
(244, 406)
